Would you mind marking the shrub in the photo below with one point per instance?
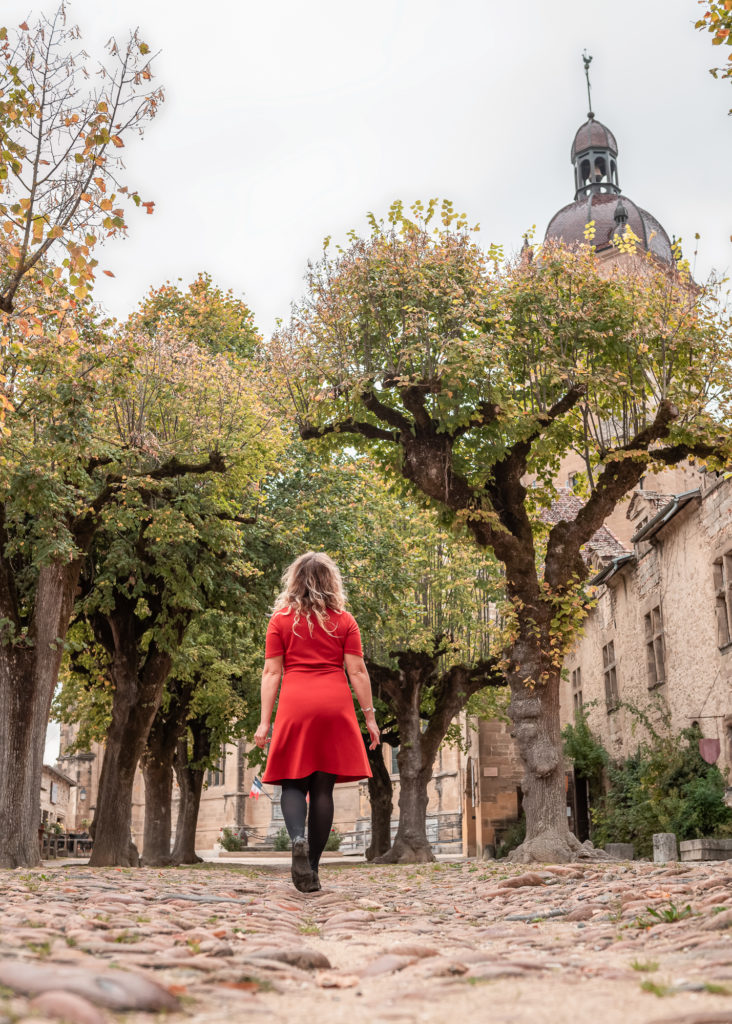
(334, 840)
(513, 836)
(282, 840)
(666, 786)
(588, 755)
(230, 840)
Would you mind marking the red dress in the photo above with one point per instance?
(315, 728)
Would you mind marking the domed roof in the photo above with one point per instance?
(568, 225)
(593, 135)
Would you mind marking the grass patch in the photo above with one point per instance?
(615, 912)
(647, 966)
(670, 913)
(308, 927)
(657, 988)
(42, 949)
(32, 881)
(716, 989)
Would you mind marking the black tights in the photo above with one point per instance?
(319, 786)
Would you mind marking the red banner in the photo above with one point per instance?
(709, 750)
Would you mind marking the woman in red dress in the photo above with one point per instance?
(316, 739)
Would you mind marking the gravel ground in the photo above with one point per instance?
(626, 943)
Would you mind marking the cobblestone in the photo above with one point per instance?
(633, 944)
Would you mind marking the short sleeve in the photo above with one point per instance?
(352, 643)
(273, 645)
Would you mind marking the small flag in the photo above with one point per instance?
(257, 788)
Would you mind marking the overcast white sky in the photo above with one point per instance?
(286, 121)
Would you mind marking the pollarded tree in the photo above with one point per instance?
(469, 377)
(62, 466)
(166, 552)
(213, 685)
(426, 605)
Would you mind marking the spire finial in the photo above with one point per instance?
(587, 60)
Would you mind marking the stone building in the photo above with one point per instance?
(83, 768)
(225, 802)
(56, 790)
(660, 636)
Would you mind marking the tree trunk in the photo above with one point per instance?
(535, 715)
(137, 696)
(418, 750)
(381, 799)
(411, 845)
(28, 676)
(157, 770)
(22, 736)
(158, 799)
(190, 781)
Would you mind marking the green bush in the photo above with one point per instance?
(282, 840)
(513, 836)
(230, 840)
(588, 755)
(334, 840)
(666, 786)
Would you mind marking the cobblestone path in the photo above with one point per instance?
(437, 943)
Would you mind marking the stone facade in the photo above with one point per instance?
(492, 787)
(659, 637)
(225, 801)
(56, 790)
(84, 768)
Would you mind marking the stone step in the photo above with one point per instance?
(706, 849)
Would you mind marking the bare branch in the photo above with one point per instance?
(617, 478)
(348, 426)
(384, 412)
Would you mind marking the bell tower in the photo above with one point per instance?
(600, 214)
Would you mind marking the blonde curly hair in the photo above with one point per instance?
(311, 584)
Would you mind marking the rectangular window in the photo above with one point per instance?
(723, 596)
(655, 654)
(610, 674)
(215, 775)
(394, 762)
(577, 690)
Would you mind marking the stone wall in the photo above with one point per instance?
(671, 571)
(56, 790)
(491, 786)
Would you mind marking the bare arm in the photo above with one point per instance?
(271, 676)
(358, 676)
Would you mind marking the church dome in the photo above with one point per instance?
(598, 198)
(569, 224)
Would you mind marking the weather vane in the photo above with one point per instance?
(587, 60)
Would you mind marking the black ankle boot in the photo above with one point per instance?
(302, 873)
